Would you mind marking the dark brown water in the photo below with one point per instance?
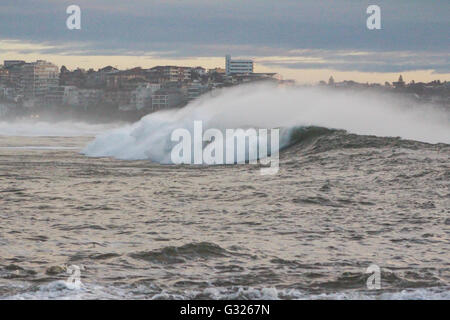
(140, 230)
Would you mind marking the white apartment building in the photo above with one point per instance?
(237, 66)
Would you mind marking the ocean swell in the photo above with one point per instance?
(268, 106)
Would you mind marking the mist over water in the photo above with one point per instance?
(267, 106)
(38, 128)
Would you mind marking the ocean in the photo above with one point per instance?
(359, 184)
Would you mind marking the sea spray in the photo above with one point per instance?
(268, 106)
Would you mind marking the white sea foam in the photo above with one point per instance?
(265, 106)
(62, 290)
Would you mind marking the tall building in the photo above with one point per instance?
(37, 78)
(237, 66)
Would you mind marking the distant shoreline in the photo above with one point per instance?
(107, 113)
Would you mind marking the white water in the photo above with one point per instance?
(62, 290)
(266, 106)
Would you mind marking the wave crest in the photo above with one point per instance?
(266, 106)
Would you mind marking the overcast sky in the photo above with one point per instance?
(309, 37)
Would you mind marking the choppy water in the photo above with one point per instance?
(340, 203)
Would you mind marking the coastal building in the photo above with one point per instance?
(98, 79)
(70, 96)
(331, 81)
(117, 79)
(133, 84)
(117, 98)
(63, 95)
(217, 70)
(199, 70)
(13, 75)
(400, 83)
(6, 93)
(10, 63)
(75, 78)
(170, 74)
(195, 89)
(55, 95)
(141, 97)
(167, 98)
(3, 74)
(75, 97)
(37, 78)
(89, 97)
(233, 66)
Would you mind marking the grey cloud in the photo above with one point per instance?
(365, 61)
(256, 28)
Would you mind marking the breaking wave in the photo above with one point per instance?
(299, 112)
